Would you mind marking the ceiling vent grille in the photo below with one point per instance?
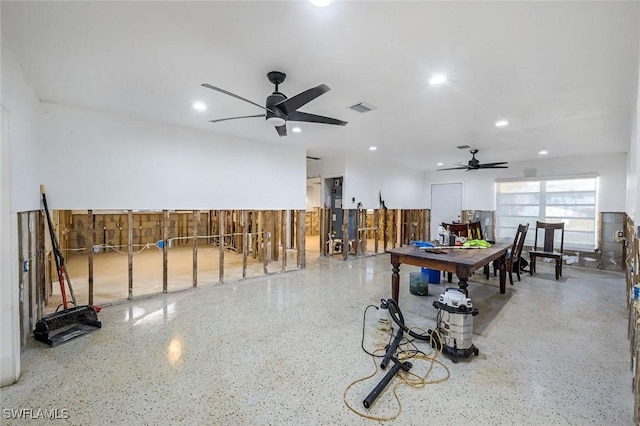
(362, 107)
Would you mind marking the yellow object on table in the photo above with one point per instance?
(477, 243)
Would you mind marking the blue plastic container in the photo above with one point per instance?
(431, 275)
(420, 244)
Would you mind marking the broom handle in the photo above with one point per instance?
(453, 247)
(73, 296)
(57, 254)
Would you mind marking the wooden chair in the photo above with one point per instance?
(547, 249)
(459, 229)
(471, 230)
(475, 231)
(514, 254)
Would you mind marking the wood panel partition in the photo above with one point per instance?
(240, 238)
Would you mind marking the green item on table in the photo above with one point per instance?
(476, 243)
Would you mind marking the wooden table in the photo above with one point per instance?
(462, 262)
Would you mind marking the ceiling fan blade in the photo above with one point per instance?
(486, 165)
(217, 89)
(312, 118)
(282, 130)
(235, 118)
(303, 98)
(456, 168)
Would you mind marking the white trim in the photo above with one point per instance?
(535, 178)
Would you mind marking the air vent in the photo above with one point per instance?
(362, 107)
(463, 147)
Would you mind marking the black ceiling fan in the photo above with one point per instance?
(474, 164)
(280, 109)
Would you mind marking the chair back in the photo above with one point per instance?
(459, 229)
(518, 241)
(475, 231)
(549, 230)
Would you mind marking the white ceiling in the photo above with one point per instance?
(562, 73)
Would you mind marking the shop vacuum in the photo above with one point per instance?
(70, 322)
(453, 334)
(454, 323)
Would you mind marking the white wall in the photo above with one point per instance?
(479, 189)
(93, 160)
(633, 168)
(366, 177)
(314, 193)
(22, 103)
(19, 172)
(633, 163)
(326, 167)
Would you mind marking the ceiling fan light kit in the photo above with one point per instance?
(276, 121)
(280, 109)
(475, 164)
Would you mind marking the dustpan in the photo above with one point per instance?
(67, 324)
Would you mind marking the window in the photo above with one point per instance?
(569, 200)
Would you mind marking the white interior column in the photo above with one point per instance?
(9, 306)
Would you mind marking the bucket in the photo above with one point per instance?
(418, 284)
(431, 275)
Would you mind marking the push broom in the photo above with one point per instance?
(72, 321)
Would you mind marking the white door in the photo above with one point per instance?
(446, 205)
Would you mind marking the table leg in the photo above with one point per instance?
(463, 276)
(463, 284)
(395, 279)
(503, 274)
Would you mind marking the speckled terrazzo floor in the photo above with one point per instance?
(282, 349)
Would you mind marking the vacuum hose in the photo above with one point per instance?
(396, 316)
(397, 366)
(395, 313)
(391, 350)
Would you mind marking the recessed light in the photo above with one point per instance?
(296, 130)
(200, 106)
(320, 3)
(543, 152)
(502, 123)
(373, 148)
(437, 79)
(440, 164)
